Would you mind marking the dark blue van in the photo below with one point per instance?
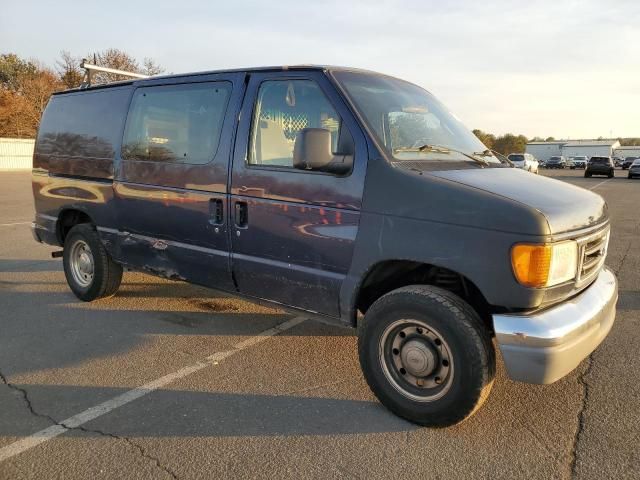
(351, 196)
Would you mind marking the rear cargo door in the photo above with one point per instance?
(171, 184)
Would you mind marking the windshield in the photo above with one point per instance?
(516, 158)
(410, 122)
(553, 159)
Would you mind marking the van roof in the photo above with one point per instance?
(281, 68)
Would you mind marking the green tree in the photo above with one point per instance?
(13, 70)
(510, 143)
(487, 139)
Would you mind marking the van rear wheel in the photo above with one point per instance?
(91, 273)
(426, 355)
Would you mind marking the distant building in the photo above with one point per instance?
(16, 153)
(590, 148)
(545, 150)
(624, 152)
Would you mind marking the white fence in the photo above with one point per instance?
(16, 153)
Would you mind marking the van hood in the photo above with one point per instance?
(565, 206)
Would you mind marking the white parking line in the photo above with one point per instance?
(92, 413)
(598, 184)
(12, 224)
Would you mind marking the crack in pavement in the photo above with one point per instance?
(581, 416)
(624, 257)
(141, 450)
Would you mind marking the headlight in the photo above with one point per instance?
(536, 265)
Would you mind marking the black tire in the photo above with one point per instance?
(107, 274)
(464, 340)
(611, 174)
(629, 175)
(587, 175)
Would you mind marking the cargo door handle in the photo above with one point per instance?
(216, 211)
(241, 214)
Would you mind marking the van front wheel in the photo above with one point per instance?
(426, 355)
(90, 271)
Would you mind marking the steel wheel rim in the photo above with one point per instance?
(81, 263)
(416, 360)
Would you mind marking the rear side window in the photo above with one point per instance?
(83, 125)
(176, 123)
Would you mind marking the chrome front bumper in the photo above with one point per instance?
(544, 347)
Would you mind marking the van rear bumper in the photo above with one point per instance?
(544, 347)
(43, 229)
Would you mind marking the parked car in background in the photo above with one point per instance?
(600, 166)
(618, 161)
(580, 161)
(524, 161)
(542, 163)
(283, 185)
(627, 162)
(556, 162)
(570, 163)
(634, 169)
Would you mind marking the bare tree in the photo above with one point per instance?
(120, 60)
(151, 67)
(68, 68)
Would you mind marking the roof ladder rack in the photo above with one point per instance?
(90, 67)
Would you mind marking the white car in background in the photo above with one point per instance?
(525, 161)
(580, 161)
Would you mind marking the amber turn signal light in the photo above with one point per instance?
(531, 264)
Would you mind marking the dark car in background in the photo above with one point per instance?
(352, 197)
(634, 169)
(627, 162)
(556, 162)
(600, 166)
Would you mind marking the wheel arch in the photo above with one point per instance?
(387, 275)
(69, 218)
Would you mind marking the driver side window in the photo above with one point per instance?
(284, 109)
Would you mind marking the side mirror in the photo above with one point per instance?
(312, 151)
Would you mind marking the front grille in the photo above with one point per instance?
(592, 251)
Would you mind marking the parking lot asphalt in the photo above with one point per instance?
(170, 380)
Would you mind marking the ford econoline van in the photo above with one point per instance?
(351, 196)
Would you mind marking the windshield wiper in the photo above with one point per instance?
(484, 153)
(424, 148)
(441, 149)
(492, 153)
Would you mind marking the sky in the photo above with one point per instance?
(568, 69)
